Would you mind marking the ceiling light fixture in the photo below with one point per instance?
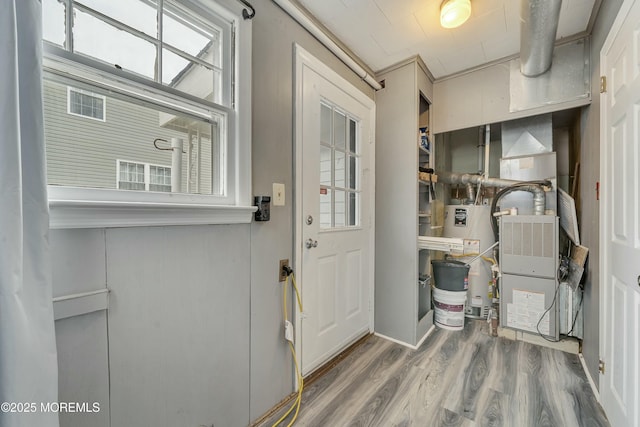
(454, 13)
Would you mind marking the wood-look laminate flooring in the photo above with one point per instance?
(456, 378)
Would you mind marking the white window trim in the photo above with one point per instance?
(73, 207)
(88, 93)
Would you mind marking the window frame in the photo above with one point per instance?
(87, 93)
(76, 207)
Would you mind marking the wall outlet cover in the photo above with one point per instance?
(278, 194)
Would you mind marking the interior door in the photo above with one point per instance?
(335, 232)
(620, 220)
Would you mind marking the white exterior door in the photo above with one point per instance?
(334, 132)
(620, 220)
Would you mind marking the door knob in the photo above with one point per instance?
(310, 243)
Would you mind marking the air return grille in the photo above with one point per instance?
(528, 244)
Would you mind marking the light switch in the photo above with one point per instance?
(278, 194)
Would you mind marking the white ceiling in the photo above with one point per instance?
(385, 32)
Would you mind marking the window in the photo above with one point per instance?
(87, 104)
(175, 73)
(159, 178)
(339, 160)
(143, 177)
(131, 176)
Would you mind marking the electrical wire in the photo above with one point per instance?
(555, 295)
(562, 274)
(504, 192)
(488, 259)
(573, 324)
(296, 403)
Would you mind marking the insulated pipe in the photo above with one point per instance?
(539, 199)
(471, 193)
(538, 27)
(487, 151)
(466, 178)
(315, 31)
(480, 151)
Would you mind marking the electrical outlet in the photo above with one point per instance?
(282, 275)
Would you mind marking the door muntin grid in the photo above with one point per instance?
(340, 186)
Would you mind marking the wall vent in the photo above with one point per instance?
(528, 244)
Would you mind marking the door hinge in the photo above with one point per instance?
(601, 366)
(603, 84)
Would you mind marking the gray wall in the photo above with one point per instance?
(274, 34)
(482, 96)
(463, 146)
(194, 330)
(589, 175)
(78, 259)
(173, 348)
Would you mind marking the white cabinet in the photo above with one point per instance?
(402, 304)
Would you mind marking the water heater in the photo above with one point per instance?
(471, 223)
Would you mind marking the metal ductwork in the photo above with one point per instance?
(470, 179)
(538, 27)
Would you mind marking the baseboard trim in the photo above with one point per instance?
(412, 347)
(329, 364)
(589, 377)
(313, 377)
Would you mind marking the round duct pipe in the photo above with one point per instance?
(538, 27)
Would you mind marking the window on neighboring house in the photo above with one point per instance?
(143, 177)
(87, 104)
(159, 178)
(173, 70)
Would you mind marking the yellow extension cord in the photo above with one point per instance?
(296, 403)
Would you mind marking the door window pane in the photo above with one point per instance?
(353, 172)
(326, 211)
(352, 135)
(353, 208)
(340, 209)
(340, 169)
(339, 129)
(325, 166)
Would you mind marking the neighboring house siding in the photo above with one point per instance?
(82, 152)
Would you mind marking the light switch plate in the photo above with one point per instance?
(278, 194)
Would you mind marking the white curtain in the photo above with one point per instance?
(28, 360)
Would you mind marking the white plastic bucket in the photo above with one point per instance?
(449, 309)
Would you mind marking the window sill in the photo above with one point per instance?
(68, 212)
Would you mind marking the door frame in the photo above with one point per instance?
(301, 59)
(604, 222)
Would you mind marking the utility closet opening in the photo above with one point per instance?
(511, 193)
